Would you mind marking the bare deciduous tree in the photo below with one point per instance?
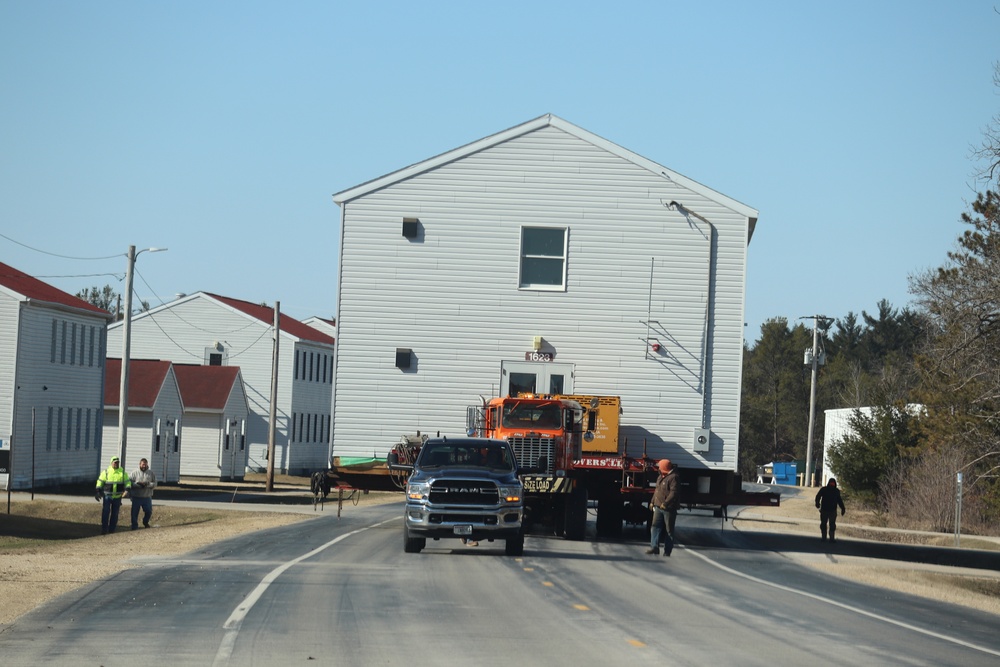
(988, 152)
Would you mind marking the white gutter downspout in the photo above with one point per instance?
(708, 308)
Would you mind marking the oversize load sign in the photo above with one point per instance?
(541, 484)
(602, 462)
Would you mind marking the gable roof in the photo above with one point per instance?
(548, 120)
(145, 380)
(328, 327)
(265, 314)
(205, 387)
(28, 288)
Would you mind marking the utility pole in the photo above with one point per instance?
(814, 363)
(126, 352)
(273, 417)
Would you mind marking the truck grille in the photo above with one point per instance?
(463, 492)
(530, 450)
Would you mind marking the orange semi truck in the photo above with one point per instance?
(569, 454)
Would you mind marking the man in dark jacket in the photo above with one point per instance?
(827, 501)
(665, 504)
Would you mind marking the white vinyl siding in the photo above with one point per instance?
(312, 391)
(64, 389)
(636, 270)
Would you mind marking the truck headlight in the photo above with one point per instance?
(418, 490)
(510, 494)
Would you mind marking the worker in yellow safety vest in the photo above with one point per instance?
(112, 486)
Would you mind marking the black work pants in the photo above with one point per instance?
(825, 517)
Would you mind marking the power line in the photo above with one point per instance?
(116, 276)
(53, 254)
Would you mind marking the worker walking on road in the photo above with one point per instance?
(112, 486)
(665, 504)
(827, 501)
(143, 482)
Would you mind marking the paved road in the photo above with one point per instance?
(342, 592)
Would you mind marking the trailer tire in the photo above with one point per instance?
(413, 545)
(576, 514)
(514, 546)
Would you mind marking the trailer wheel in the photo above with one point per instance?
(576, 514)
(514, 546)
(412, 545)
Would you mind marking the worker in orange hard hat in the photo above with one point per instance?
(664, 504)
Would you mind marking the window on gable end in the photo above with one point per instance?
(543, 258)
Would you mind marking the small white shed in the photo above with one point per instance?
(215, 421)
(155, 409)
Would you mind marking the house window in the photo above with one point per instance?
(48, 429)
(543, 258)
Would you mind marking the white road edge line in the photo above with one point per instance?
(235, 620)
(856, 610)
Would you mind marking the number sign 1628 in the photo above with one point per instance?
(539, 356)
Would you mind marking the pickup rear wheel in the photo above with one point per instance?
(412, 545)
(514, 545)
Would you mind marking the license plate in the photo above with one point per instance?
(463, 530)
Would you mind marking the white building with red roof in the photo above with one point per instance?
(215, 421)
(155, 411)
(52, 355)
(212, 330)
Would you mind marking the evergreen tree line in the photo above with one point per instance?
(929, 371)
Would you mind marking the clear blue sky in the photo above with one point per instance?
(221, 129)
